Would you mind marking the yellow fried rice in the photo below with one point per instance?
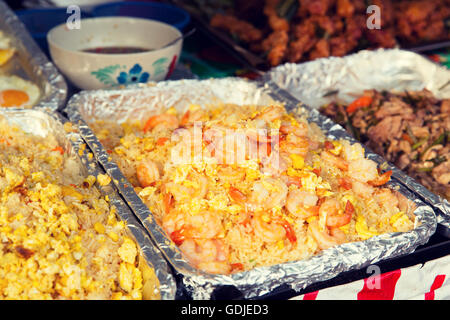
(235, 216)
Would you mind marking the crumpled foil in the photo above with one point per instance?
(319, 82)
(42, 123)
(142, 101)
(32, 64)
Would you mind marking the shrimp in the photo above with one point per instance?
(269, 193)
(192, 116)
(299, 129)
(362, 189)
(230, 175)
(294, 144)
(271, 113)
(161, 121)
(274, 165)
(181, 226)
(330, 208)
(334, 160)
(339, 220)
(267, 229)
(326, 238)
(181, 192)
(147, 173)
(210, 255)
(302, 204)
(363, 170)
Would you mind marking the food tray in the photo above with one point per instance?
(42, 123)
(30, 63)
(136, 102)
(346, 78)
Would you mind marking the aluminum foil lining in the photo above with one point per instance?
(42, 123)
(135, 103)
(31, 63)
(321, 81)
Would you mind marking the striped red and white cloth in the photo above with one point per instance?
(430, 281)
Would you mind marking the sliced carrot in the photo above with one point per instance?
(168, 202)
(359, 103)
(328, 145)
(290, 233)
(345, 183)
(161, 141)
(407, 138)
(237, 266)
(349, 209)
(317, 171)
(178, 236)
(60, 149)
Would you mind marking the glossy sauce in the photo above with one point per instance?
(116, 50)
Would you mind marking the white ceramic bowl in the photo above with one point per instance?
(90, 71)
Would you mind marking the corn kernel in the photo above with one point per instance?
(113, 236)
(99, 227)
(297, 161)
(103, 179)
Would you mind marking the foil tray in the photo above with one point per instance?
(142, 101)
(42, 123)
(321, 81)
(30, 63)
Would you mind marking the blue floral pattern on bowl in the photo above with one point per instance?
(135, 75)
(108, 75)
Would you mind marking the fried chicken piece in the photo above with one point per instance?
(276, 44)
(383, 38)
(276, 23)
(315, 7)
(242, 29)
(345, 8)
(320, 50)
(298, 47)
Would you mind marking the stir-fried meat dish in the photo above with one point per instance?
(410, 129)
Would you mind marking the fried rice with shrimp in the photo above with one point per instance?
(59, 236)
(237, 187)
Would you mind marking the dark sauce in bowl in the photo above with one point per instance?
(116, 50)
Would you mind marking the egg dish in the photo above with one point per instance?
(60, 238)
(6, 50)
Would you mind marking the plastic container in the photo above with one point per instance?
(40, 21)
(162, 12)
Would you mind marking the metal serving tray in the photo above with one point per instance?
(140, 101)
(42, 123)
(30, 63)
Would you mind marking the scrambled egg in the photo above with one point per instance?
(59, 241)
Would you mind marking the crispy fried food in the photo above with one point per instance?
(242, 29)
(302, 30)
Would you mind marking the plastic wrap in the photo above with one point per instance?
(41, 123)
(140, 102)
(31, 63)
(321, 81)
